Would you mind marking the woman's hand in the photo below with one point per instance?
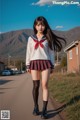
(28, 70)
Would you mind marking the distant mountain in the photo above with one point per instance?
(14, 43)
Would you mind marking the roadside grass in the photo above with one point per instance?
(66, 90)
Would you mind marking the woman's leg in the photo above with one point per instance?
(35, 92)
(35, 74)
(45, 78)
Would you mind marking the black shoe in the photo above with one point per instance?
(44, 115)
(36, 111)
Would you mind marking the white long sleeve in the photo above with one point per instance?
(28, 52)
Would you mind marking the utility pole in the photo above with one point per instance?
(9, 60)
(21, 66)
(57, 51)
(14, 63)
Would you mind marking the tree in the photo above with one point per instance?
(64, 61)
(20, 64)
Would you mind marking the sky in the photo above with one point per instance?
(20, 14)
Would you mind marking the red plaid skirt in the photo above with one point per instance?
(40, 64)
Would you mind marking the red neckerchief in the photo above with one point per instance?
(39, 43)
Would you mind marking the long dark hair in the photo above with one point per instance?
(53, 40)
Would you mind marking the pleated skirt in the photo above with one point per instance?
(40, 64)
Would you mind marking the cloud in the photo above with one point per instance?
(43, 2)
(58, 27)
(58, 2)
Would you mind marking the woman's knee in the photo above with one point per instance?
(36, 84)
(44, 86)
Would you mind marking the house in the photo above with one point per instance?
(73, 56)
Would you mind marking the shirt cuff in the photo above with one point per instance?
(27, 66)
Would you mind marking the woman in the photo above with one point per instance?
(40, 60)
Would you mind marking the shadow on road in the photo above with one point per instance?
(52, 113)
(4, 81)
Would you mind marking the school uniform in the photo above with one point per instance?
(38, 54)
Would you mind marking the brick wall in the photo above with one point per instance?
(73, 56)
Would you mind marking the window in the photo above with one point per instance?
(70, 54)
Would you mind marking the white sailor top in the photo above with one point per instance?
(38, 49)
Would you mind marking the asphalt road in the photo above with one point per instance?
(16, 96)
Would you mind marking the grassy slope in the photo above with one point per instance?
(66, 89)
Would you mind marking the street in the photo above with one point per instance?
(16, 96)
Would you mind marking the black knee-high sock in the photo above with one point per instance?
(45, 103)
(35, 91)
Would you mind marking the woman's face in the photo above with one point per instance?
(40, 28)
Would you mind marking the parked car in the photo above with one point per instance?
(6, 72)
(12, 72)
(22, 71)
(17, 72)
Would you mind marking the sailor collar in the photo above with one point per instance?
(35, 37)
(38, 42)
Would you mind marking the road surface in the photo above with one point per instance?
(16, 96)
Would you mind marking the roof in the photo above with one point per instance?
(72, 44)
